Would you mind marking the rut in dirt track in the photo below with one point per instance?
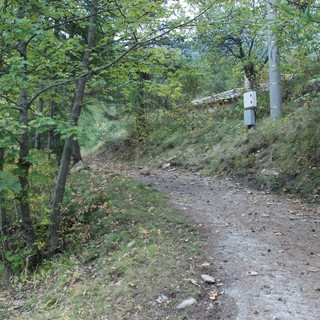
(264, 248)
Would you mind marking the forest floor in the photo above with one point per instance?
(264, 248)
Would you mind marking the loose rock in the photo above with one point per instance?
(145, 171)
(208, 279)
(186, 303)
(130, 244)
(162, 298)
(166, 165)
(80, 166)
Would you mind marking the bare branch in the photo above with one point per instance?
(9, 100)
(54, 85)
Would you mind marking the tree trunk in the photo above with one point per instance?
(143, 105)
(3, 221)
(54, 138)
(76, 152)
(37, 138)
(67, 151)
(251, 75)
(24, 166)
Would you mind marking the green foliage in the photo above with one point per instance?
(41, 180)
(8, 183)
(235, 31)
(43, 54)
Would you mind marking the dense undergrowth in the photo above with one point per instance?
(125, 249)
(214, 141)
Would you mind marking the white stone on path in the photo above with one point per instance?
(208, 279)
(186, 303)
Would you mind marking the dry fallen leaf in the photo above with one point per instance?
(206, 264)
(213, 295)
(252, 273)
(76, 276)
(132, 285)
(194, 282)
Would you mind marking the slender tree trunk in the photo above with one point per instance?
(76, 152)
(3, 217)
(143, 105)
(67, 151)
(251, 75)
(54, 138)
(23, 164)
(37, 138)
(3, 220)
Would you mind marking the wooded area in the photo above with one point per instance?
(63, 62)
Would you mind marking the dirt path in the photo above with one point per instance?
(265, 249)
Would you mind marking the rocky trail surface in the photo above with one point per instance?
(265, 249)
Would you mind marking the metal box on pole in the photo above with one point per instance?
(249, 118)
(250, 99)
(250, 103)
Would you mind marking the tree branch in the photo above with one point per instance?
(251, 46)
(69, 21)
(140, 43)
(9, 100)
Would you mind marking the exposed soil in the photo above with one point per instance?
(264, 248)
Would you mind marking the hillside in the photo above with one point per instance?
(280, 156)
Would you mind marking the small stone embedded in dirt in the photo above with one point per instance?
(208, 279)
(186, 303)
(93, 167)
(166, 165)
(145, 171)
(80, 166)
(268, 172)
(130, 244)
(152, 303)
(161, 299)
(206, 264)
